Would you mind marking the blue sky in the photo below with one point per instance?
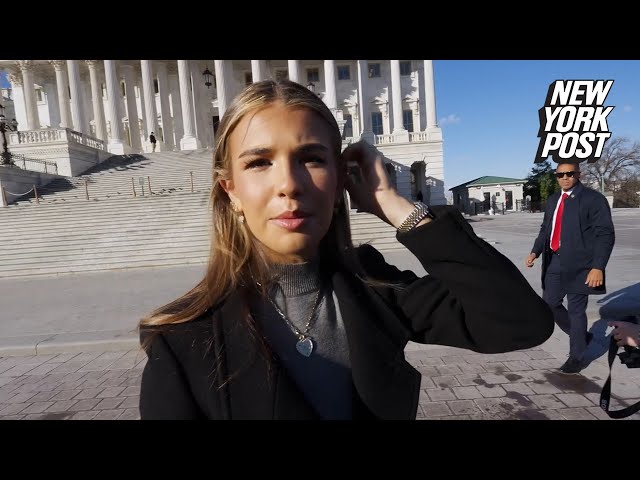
(488, 110)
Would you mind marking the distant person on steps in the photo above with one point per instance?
(152, 139)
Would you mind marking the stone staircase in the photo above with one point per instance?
(167, 172)
(367, 228)
(113, 230)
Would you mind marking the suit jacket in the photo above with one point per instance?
(473, 297)
(586, 239)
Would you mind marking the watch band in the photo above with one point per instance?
(415, 217)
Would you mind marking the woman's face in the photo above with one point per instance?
(284, 178)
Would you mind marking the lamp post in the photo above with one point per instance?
(311, 86)
(207, 77)
(12, 126)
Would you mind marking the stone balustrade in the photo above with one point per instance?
(54, 135)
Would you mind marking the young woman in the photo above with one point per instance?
(291, 321)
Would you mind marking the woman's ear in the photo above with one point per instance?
(228, 187)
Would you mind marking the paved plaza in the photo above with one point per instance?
(68, 348)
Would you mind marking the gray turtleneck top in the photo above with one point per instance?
(325, 376)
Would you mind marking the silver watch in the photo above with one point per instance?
(415, 217)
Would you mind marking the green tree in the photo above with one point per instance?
(541, 182)
(548, 185)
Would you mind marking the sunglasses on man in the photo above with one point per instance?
(568, 174)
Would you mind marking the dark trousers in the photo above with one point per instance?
(572, 321)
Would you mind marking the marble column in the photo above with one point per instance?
(222, 88)
(52, 100)
(96, 100)
(363, 101)
(294, 71)
(188, 141)
(19, 108)
(430, 95)
(87, 109)
(77, 112)
(330, 84)
(128, 72)
(257, 72)
(198, 107)
(206, 111)
(62, 84)
(31, 105)
(151, 118)
(165, 110)
(400, 133)
(116, 144)
(176, 108)
(144, 133)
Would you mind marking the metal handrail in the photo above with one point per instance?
(14, 159)
(84, 181)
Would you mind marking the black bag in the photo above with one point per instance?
(631, 358)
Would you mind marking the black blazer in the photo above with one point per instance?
(586, 239)
(473, 297)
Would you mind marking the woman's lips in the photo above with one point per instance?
(290, 223)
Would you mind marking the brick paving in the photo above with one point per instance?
(456, 385)
(74, 386)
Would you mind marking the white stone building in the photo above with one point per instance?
(113, 105)
(489, 192)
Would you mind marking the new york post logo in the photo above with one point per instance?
(573, 121)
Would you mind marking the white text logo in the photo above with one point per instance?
(573, 121)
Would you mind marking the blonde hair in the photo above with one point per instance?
(236, 261)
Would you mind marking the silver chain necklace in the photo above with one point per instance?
(304, 346)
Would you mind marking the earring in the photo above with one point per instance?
(235, 209)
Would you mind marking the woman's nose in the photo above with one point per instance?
(290, 179)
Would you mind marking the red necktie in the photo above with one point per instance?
(555, 239)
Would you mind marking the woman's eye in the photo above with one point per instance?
(314, 160)
(259, 162)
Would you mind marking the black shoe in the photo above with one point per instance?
(572, 366)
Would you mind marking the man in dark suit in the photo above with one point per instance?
(152, 139)
(576, 239)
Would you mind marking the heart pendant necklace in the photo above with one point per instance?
(304, 345)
